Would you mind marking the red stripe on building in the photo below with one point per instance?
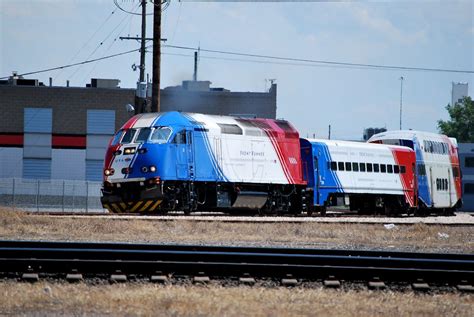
(69, 141)
(11, 140)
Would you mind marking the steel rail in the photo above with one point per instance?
(146, 259)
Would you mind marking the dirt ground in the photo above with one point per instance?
(418, 237)
(147, 299)
(60, 298)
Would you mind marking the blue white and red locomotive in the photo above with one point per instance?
(159, 162)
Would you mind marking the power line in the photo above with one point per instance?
(75, 64)
(324, 61)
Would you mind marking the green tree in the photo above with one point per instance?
(461, 125)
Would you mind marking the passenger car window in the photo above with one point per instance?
(355, 167)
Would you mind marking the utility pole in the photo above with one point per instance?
(140, 94)
(401, 96)
(155, 98)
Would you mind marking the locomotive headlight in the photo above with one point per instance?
(153, 168)
(129, 150)
(109, 171)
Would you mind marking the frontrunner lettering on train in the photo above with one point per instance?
(160, 162)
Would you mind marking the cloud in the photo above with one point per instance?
(386, 28)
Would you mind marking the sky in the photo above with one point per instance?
(41, 34)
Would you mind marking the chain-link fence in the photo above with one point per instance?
(50, 195)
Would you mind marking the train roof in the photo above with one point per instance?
(358, 145)
(411, 135)
(213, 123)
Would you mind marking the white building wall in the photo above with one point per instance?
(68, 164)
(458, 92)
(11, 162)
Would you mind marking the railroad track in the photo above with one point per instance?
(30, 260)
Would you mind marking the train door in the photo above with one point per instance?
(432, 187)
(316, 178)
(218, 152)
(184, 155)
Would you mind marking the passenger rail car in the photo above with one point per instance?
(437, 161)
(372, 177)
(184, 161)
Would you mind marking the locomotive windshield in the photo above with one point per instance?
(143, 135)
(160, 135)
(128, 136)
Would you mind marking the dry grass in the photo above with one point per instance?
(146, 299)
(419, 237)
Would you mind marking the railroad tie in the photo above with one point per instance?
(30, 277)
(74, 277)
(201, 279)
(118, 277)
(376, 283)
(465, 287)
(331, 282)
(246, 280)
(421, 286)
(160, 279)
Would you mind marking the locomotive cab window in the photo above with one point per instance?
(117, 137)
(128, 136)
(160, 135)
(180, 137)
(143, 135)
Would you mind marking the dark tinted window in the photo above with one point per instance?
(348, 166)
(469, 161)
(376, 168)
(369, 167)
(334, 166)
(403, 169)
(362, 167)
(143, 135)
(128, 136)
(340, 166)
(389, 168)
(469, 188)
(396, 169)
(383, 168)
(355, 167)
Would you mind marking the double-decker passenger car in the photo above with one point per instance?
(186, 161)
(437, 161)
(372, 177)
